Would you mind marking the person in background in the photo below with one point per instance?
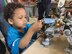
(43, 6)
(43, 10)
(20, 33)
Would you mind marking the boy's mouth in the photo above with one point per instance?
(24, 24)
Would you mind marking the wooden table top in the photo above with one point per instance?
(58, 44)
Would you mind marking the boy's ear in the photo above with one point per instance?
(10, 21)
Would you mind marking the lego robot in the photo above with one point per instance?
(54, 26)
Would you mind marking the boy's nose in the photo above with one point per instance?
(25, 20)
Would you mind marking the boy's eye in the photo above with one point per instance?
(20, 17)
(25, 17)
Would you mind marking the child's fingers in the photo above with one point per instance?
(40, 21)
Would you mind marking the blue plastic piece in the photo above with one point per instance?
(48, 20)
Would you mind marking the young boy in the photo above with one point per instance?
(19, 33)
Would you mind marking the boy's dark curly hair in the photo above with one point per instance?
(10, 8)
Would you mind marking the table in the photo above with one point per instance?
(58, 44)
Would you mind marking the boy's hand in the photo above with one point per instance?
(36, 26)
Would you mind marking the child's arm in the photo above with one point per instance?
(26, 39)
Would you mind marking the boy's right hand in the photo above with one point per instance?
(36, 26)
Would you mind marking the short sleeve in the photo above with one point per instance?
(15, 48)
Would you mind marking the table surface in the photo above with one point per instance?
(58, 44)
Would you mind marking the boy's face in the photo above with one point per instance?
(19, 18)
